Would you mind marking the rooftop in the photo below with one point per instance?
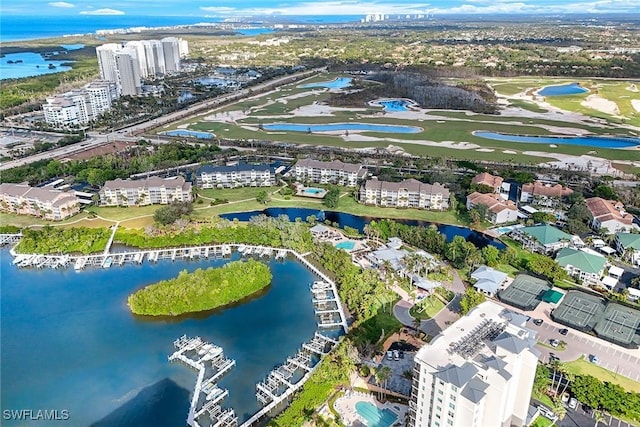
(546, 234)
(629, 240)
(488, 179)
(411, 185)
(547, 190)
(607, 210)
(334, 165)
(238, 167)
(493, 202)
(581, 260)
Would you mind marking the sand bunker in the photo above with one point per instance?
(509, 152)
(596, 102)
(632, 87)
(485, 150)
(635, 103)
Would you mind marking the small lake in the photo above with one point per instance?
(332, 127)
(587, 141)
(559, 90)
(255, 31)
(393, 105)
(213, 81)
(358, 222)
(70, 342)
(76, 46)
(33, 64)
(338, 83)
(189, 134)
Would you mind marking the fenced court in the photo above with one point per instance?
(579, 310)
(525, 292)
(620, 325)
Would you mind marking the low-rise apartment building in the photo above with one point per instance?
(541, 194)
(46, 203)
(409, 193)
(584, 266)
(499, 210)
(609, 215)
(496, 182)
(239, 175)
(544, 238)
(150, 191)
(628, 247)
(334, 172)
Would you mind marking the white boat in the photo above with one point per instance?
(241, 248)
(107, 262)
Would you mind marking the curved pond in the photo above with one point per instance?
(189, 134)
(70, 342)
(588, 141)
(559, 90)
(301, 127)
(29, 64)
(358, 222)
(393, 105)
(338, 83)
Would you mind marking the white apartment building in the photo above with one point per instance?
(609, 214)
(478, 372)
(79, 106)
(141, 57)
(153, 190)
(239, 175)
(334, 172)
(154, 57)
(499, 210)
(107, 61)
(171, 49)
(409, 193)
(47, 203)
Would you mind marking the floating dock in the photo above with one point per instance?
(211, 364)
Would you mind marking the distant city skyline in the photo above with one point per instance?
(228, 8)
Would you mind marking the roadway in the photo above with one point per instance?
(127, 133)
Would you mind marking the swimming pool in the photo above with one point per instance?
(190, 134)
(347, 245)
(374, 416)
(589, 141)
(313, 191)
(338, 83)
(392, 105)
(559, 90)
(300, 127)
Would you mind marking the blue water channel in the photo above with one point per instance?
(29, 64)
(69, 342)
(338, 83)
(358, 222)
(301, 127)
(189, 134)
(560, 90)
(588, 141)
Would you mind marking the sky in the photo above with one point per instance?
(227, 8)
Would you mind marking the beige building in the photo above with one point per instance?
(334, 172)
(499, 210)
(409, 193)
(609, 214)
(153, 190)
(496, 182)
(542, 194)
(478, 372)
(46, 203)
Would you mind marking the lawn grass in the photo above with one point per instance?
(117, 213)
(430, 306)
(234, 194)
(584, 367)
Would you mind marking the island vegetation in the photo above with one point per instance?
(56, 240)
(201, 290)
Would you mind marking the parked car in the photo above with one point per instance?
(401, 354)
(554, 342)
(546, 412)
(396, 355)
(389, 355)
(563, 331)
(553, 357)
(573, 403)
(538, 322)
(594, 359)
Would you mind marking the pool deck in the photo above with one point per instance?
(346, 407)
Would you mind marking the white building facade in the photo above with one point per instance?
(239, 175)
(79, 106)
(153, 190)
(334, 172)
(478, 372)
(409, 193)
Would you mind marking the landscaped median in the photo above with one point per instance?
(201, 290)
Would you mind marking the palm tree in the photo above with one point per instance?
(382, 376)
(558, 409)
(416, 325)
(599, 417)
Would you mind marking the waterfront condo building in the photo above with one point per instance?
(46, 203)
(334, 172)
(239, 175)
(478, 372)
(628, 247)
(495, 182)
(499, 210)
(153, 190)
(409, 193)
(171, 50)
(609, 215)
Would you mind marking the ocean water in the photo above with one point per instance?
(70, 343)
(30, 64)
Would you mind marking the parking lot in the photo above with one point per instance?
(398, 380)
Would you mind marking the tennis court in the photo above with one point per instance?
(579, 310)
(620, 325)
(525, 292)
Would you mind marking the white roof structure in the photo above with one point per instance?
(395, 242)
(616, 271)
(610, 282)
(607, 250)
(634, 293)
(422, 283)
(319, 229)
(598, 243)
(488, 279)
(528, 209)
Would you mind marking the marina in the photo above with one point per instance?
(211, 364)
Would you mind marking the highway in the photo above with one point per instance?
(127, 133)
